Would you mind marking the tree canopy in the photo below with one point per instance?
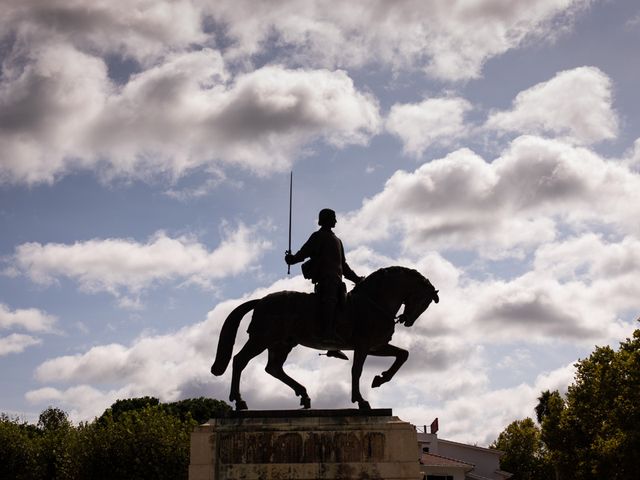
(593, 432)
(139, 438)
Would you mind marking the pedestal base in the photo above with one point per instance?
(305, 445)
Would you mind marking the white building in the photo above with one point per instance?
(446, 460)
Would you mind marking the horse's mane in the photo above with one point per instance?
(383, 275)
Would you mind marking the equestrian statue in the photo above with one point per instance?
(328, 319)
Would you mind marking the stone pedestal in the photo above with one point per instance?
(305, 445)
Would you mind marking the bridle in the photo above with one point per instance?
(386, 312)
(398, 318)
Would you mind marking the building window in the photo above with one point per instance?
(439, 477)
(425, 449)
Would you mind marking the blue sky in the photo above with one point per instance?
(145, 151)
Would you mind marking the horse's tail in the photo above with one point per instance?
(228, 336)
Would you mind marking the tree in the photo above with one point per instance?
(143, 444)
(17, 455)
(549, 412)
(199, 409)
(595, 432)
(56, 446)
(121, 406)
(525, 454)
(139, 438)
(53, 419)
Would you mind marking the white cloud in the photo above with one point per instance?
(449, 346)
(16, 343)
(47, 100)
(134, 28)
(86, 402)
(114, 265)
(30, 319)
(435, 120)
(449, 41)
(511, 205)
(575, 103)
(632, 157)
(61, 113)
(478, 416)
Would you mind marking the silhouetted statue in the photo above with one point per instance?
(283, 320)
(325, 268)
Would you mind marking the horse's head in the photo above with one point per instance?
(417, 301)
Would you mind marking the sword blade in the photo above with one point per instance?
(290, 209)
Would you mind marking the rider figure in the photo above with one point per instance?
(326, 267)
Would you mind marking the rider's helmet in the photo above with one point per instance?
(326, 217)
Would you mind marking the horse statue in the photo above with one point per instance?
(365, 325)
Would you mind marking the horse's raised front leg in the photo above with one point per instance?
(277, 357)
(359, 356)
(389, 351)
(250, 350)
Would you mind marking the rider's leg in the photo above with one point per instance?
(328, 293)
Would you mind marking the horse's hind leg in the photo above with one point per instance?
(389, 351)
(250, 350)
(277, 357)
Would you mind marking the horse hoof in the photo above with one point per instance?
(364, 405)
(377, 381)
(305, 402)
(241, 405)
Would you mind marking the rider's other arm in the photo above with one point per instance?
(346, 269)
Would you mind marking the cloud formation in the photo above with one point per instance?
(435, 120)
(30, 319)
(447, 41)
(502, 207)
(574, 103)
(132, 28)
(60, 112)
(449, 364)
(117, 265)
(190, 102)
(17, 343)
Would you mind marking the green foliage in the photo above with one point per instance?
(147, 443)
(525, 454)
(600, 425)
(17, 457)
(126, 405)
(53, 419)
(594, 432)
(199, 409)
(57, 446)
(139, 438)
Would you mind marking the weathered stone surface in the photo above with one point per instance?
(342, 446)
